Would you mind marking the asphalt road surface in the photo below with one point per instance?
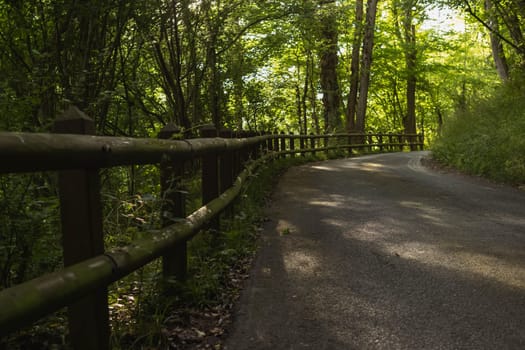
(379, 252)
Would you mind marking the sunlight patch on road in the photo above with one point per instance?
(301, 262)
(432, 214)
(464, 257)
(458, 258)
(373, 165)
(509, 219)
(338, 201)
(325, 204)
(325, 168)
(369, 232)
(366, 166)
(285, 226)
(266, 271)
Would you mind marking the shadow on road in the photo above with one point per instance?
(378, 253)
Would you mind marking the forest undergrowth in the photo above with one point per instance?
(488, 139)
(148, 312)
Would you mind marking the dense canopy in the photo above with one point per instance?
(299, 66)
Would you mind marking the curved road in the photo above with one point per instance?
(378, 252)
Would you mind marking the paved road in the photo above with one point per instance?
(379, 252)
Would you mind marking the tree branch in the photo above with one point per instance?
(486, 25)
(248, 26)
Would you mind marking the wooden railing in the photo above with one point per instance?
(82, 284)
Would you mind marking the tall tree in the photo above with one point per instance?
(171, 60)
(88, 37)
(328, 63)
(498, 53)
(406, 33)
(351, 106)
(366, 64)
(505, 20)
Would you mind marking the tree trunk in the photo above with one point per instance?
(81, 37)
(411, 64)
(305, 96)
(299, 105)
(329, 61)
(497, 46)
(439, 120)
(303, 115)
(510, 13)
(214, 85)
(313, 95)
(354, 67)
(368, 45)
(168, 52)
(239, 105)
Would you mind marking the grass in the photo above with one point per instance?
(489, 139)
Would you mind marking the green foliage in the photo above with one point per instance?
(137, 308)
(131, 203)
(487, 139)
(29, 223)
(250, 64)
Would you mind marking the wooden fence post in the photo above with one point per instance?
(251, 152)
(412, 140)
(312, 143)
(380, 141)
(210, 174)
(226, 164)
(292, 145)
(276, 141)
(421, 142)
(174, 264)
(390, 142)
(260, 148)
(237, 156)
(283, 144)
(82, 234)
(370, 142)
(254, 151)
(269, 143)
(301, 145)
(401, 141)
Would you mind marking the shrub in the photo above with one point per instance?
(489, 139)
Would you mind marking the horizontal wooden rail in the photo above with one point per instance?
(341, 135)
(34, 299)
(29, 152)
(26, 152)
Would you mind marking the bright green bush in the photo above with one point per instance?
(488, 139)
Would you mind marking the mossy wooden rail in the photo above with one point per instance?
(82, 284)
